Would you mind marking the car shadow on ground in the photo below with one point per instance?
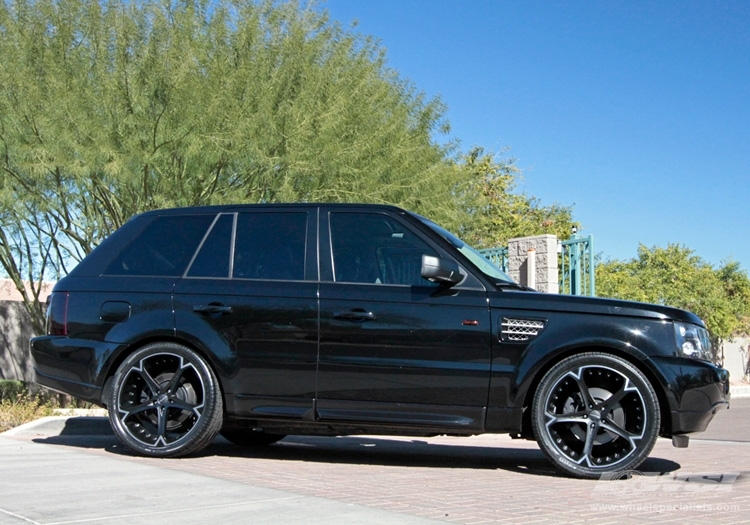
(95, 433)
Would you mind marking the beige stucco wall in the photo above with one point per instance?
(736, 358)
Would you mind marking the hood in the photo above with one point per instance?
(521, 299)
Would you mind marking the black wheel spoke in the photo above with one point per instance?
(595, 413)
(583, 389)
(184, 406)
(621, 432)
(161, 431)
(615, 398)
(168, 402)
(175, 381)
(151, 383)
(138, 409)
(588, 447)
(575, 417)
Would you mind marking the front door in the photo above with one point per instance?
(393, 346)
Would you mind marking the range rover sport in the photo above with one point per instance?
(260, 321)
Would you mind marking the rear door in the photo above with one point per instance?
(395, 348)
(250, 298)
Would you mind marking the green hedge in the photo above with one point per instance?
(12, 390)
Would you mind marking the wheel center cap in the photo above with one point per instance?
(595, 415)
(162, 399)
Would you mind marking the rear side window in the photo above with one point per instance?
(213, 258)
(164, 248)
(270, 246)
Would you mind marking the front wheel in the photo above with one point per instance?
(595, 414)
(165, 401)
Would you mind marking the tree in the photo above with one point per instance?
(493, 212)
(110, 109)
(677, 277)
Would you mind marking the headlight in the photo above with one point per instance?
(692, 341)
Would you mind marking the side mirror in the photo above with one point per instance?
(439, 270)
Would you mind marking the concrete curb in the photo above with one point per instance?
(81, 412)
(88, 425)
(739, 391)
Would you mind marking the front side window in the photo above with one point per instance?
(270, 246)
(374, 248)
(480, 261)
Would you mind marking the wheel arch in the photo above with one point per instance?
(170, 406)
(657, 382)
(133, 347)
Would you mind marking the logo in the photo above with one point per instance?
(633, 483)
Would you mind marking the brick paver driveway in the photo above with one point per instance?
(484, 479)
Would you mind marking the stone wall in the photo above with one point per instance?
(532, 261)
(15, 332)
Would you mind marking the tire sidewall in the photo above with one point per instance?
(204, 430)
(646, 390)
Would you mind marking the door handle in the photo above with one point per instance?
(357, 314)
(212, 308)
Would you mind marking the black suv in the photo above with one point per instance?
(258, 321)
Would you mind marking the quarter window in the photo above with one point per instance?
(164, 248)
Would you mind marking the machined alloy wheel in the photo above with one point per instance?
(165, 401)
(595, 414)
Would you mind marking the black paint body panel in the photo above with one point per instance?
(314, 355)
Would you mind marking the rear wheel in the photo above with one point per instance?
(594, 414)
(165, 401)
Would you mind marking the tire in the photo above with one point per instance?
(248, 437)
(165, 401)
(595, 414)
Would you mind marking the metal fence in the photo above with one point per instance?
(575, 263)
(577, 270)
(497, 256)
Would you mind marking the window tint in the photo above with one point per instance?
(373, 248)
(213, 258)
(164, 248)
(270, 246)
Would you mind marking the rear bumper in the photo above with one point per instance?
(72, 366)
(695, 391)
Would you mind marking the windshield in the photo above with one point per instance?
(476, 258)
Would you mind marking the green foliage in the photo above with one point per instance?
(15, 413)
(18, 405)
(11, 389)
(110, 109)
(677, 277)
(494, 213)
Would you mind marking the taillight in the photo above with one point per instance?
(57, 314)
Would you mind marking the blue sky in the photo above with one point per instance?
(635, 113)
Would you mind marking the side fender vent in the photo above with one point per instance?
(520, 330)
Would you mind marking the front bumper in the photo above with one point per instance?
(695, 391)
